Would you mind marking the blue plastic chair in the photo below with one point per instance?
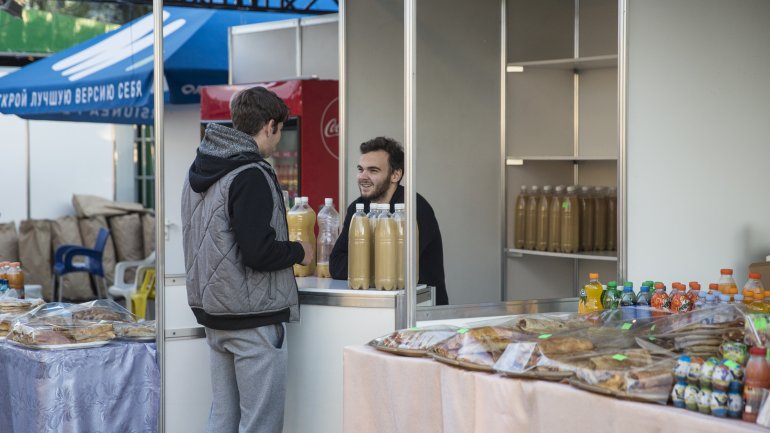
(64, 262)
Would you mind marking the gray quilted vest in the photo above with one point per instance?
(217, 281)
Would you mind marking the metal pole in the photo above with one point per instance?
(502, 211)
(343, 105)
(622, 166)
(160, 238)
(410, 196)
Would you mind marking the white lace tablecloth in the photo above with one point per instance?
(109, 389)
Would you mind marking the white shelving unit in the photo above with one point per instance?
(560, 126)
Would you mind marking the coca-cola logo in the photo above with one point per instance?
(330, 127)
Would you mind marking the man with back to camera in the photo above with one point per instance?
(380, 170)
(238, 262)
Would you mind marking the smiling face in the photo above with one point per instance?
(375, 180)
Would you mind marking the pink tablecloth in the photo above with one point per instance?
(389, 393)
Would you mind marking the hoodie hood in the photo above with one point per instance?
(221, 151)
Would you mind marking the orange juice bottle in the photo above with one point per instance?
(752, 286)
(590, 295)
(727, 282)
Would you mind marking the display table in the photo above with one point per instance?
(389, 393)
(113, 388)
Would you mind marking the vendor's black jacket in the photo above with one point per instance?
(431, 246)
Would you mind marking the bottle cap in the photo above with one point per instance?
(359, 206)
(400, 206)
(760, 351)
(593, 276)
(694, 285)
(755, 275)
(713, 286)
(726, 271)
(660, 286)
(524, 188)
(628, 284)
(584, 189)
(571, 188)
(644, 289)
(676, 285)
(612, 284)
(534, 188)
(559, 188)
(328, 201)
(647, 283)
(628, 289)
(547, 188)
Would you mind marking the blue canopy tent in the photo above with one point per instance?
(109, 78)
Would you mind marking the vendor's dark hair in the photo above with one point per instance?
(254, 107)
(392, 147)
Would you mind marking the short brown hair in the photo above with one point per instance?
(389, 145)
(251, 109)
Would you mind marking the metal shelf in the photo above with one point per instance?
(607, 256)
(520, 160)
(594, 62)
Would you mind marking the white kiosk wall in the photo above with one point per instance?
(698, 138)
(457, 147)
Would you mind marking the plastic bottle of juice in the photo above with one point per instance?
(554, 220)
(611, 296)
(385, 252)
(600, 218)
(680, 303)
(328, 231)
(530, 240)
(727, 282)
(543, 218)
(643, 300)
(701, 301)
(570, 221)
(660, 300)
(520, 222)
(374, 212)
(714, 288)
(586, 219)
(399, 217)
(759, 304)
(359, 238)
(301, 222)
(752, 287)
(16, 279)
(612, 219)
(757, 378)
(590, 295)
(693, 293)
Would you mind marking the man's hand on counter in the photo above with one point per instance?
(308, 253)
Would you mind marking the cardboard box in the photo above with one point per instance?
(764, 269)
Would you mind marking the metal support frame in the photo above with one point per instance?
(410, 133)
(622, 141)
(503, 153)
(160, 243)
(309, 7)
(342, 147)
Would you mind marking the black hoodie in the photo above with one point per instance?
(250, 207)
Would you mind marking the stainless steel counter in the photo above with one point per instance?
(336, 293)
(446, 312)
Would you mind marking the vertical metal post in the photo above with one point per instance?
(343, 114)
(160, 239)
(622, 162)
(410, 196)
(298, 48)
(28, 161)
(503, 211)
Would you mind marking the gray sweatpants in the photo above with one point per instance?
(248, 380)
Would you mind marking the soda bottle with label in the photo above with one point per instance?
(660, 300)
(752, 287)
(643, 300)
(359, 239)
(590, 296)
(628, 301)
(727, 282)
(611, 296)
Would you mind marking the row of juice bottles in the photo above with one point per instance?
(376, 247)
(301, 221)
(595, 297)
(11, 279)
(566, 219)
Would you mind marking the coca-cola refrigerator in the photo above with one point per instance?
(306, 160)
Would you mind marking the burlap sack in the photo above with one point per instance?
(148, 234)
(75, 286)
(9, 242)
(87, 206)
(127, 235)
(89, 230)
(35, 254)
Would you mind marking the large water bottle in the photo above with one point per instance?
(301, 222)
(385, 251)
(359, 239)
(328, 231)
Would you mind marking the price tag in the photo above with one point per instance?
(462, 330)
(544, 336)
(414, 328)
(565, 204)
(730, 363)
(619, 357)
(651, 338)
(626, 326)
